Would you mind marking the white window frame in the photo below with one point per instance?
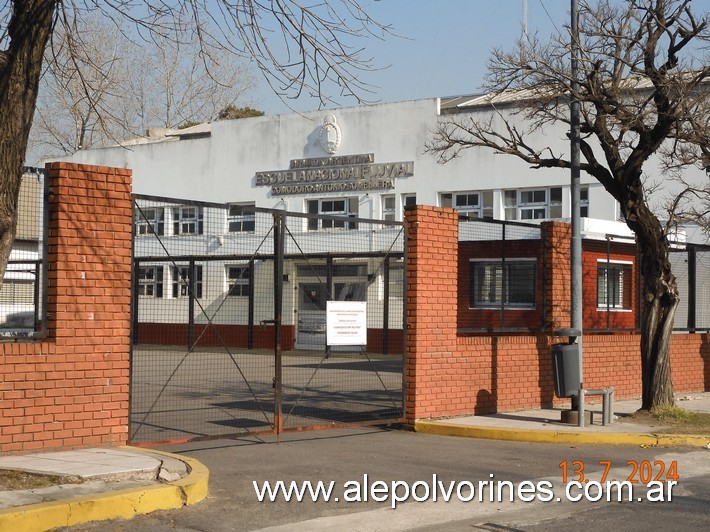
(186, 223)
(536, 207)
(155, 284)
(238, 221)
(503, 299)
(350, 209)
(238, 286)
(620, 267)
(389, 213)
(146, 224)
(470, 204)
(584, 202)
(180, 281)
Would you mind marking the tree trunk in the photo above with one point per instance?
(28, 31)
(659, 300)
(656, 331)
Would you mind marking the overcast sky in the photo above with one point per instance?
(446, 46)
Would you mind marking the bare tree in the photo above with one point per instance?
(101, 88)
(643, 90)
(297, 48)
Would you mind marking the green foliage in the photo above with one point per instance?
(232, 112)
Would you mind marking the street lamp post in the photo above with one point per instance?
(576, 242)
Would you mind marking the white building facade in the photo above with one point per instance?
(367, 162)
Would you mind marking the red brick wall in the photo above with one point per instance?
(71, 389)
(470, 317)
(432, 286)
(592, 252)
(448, 375)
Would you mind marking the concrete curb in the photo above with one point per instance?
(123, 504)
(549, 436)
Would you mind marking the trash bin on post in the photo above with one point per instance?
(565, 364)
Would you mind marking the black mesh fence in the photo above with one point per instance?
(23, 291)
(691, 266)
(229, 320)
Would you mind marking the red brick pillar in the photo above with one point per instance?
(89, 289)
(71, 389)
(432, 287)
(557, 244)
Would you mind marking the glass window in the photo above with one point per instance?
(396, 278)
(409, 200)
(341, 207)
(469, 204)
(241, 218)
(187, 221)
(496, 284)
(533, 204)
(149, 220)
(150, 281)
(388, 207)
(584, 202)
(239, 281)
(613, 285)
(181, 281)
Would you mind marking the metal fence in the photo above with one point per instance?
(23, 292)
(502, 276)
(691, 266)
(229, 320)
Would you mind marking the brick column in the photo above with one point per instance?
(71, 389)
(557, 244)
(432, 287)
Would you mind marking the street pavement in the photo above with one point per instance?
(367, 455)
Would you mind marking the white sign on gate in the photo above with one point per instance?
(346, 323)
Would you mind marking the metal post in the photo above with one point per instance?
(250, 317)
(386, 307)
(279, 225)
(692, 286)
(576, 243)
(191, 285)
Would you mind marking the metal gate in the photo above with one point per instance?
(229, 320)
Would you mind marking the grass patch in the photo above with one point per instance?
(676, 419)
(11, 480)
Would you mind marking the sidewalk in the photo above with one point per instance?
(117, 483)
(124, 482)
(544, 426)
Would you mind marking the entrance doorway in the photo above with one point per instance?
(346, 282)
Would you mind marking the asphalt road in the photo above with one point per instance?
(348, 455)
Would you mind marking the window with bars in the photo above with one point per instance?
(150, 281)
(239, 281)
(181, 281)
(187, 220)
(495, 283)
(613, 285)
(241, 218)
(17, 291)
(149, 220)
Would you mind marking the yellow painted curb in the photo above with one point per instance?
(549, 436)
(123, 504)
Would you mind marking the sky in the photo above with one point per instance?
(443, 49)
